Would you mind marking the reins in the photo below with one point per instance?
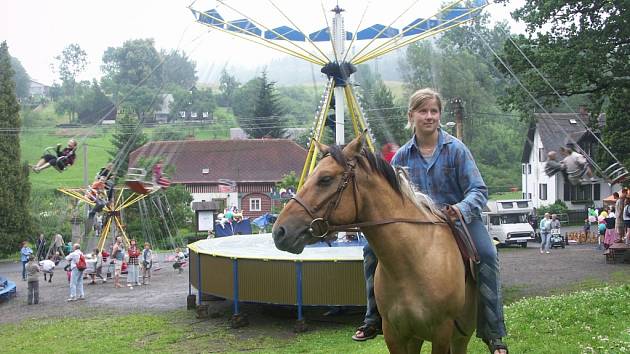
(322, 223)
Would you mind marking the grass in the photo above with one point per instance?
(589, 321)
(506, 195)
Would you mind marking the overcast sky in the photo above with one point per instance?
(37, 31)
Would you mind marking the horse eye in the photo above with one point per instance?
(325, 181)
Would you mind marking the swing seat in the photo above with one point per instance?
(136, 181)
(139, 187)
(616, 173)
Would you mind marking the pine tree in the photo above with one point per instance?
(128, 137)
(15, 223)
(268, 120)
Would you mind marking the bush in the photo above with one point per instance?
(558, 207)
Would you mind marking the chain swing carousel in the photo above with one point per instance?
(249, 268)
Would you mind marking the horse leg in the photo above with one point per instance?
(459, 345)
(441, 342)
(398, 344)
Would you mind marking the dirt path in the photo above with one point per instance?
(524, 272)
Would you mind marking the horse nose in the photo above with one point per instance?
(278, 232)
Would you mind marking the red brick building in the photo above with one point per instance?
(230, 173)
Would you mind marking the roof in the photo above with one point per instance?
(253, 160)
(556, 130)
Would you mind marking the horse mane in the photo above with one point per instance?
(397, 178)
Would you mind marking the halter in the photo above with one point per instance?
(347, 177)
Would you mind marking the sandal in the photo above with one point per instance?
(366, 332)
(496, 344)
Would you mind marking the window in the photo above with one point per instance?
(579, 193)
(541, 154)
(507, 205)
(524, 195)
(542, 191)
(522, 204)
(597, 192)
(254, 204)
(529, 196)
(495, 220)
(529, 169)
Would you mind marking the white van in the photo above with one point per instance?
(507, 221)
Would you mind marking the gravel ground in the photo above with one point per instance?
(524, 272)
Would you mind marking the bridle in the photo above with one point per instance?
(322, 223)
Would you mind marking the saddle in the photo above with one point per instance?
(464, 242)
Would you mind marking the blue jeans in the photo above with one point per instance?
(24, 270)
(76, 283)
(545, 241)
(490, 319)
(132, 274)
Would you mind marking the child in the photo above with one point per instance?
(48, 267)
(147, 263)
(587, 227)
(179, 260)
(64, 158)
(32, 270)
(132, 264)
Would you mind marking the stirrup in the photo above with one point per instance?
(496, 344)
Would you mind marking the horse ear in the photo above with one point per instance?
(356, 145)
(323, 148)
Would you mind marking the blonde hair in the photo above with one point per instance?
(419, 98)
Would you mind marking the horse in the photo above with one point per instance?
(423, 291)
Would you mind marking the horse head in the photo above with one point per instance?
(324, 200)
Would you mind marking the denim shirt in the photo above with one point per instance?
(449, 177)
(24, 253)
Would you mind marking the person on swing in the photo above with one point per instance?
(443, 167)
(65, 157)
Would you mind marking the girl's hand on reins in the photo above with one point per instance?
(452, 212)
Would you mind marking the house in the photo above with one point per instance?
(240, 173)
(549, 133)
(36, 89)
(163, 112)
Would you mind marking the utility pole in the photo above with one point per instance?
(458, 111)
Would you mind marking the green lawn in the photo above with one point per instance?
(592, 321)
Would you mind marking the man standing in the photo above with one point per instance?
(619, 209)
(545, 233)
(76, 277)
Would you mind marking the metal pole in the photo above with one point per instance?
(339, 43)
(459, 117)
(298, 275)
(235, 285)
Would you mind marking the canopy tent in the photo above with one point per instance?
(377, 31)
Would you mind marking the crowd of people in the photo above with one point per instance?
(613, 221)
(100, 265)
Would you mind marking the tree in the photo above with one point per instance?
(386, 118)
(93, 105)
(128, 137)
(267, 119)
(15, 223)
(21, 79)
(584, 51)
(132, 74)
(227, 87)
(178, 70)
(70, 63)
